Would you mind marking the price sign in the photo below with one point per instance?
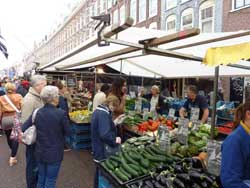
(171, 113)
(182, 134)
(214, 157)
(71, 82)
(195, 113)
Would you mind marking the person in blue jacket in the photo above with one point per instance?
(52, 126)
(235, 164)
(103, 132)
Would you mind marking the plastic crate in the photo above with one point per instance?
(80, 127)
(86, 145)
(84, 136)
(104, 183)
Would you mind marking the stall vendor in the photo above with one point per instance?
(195, 101)
(235, 163)
(155, 99)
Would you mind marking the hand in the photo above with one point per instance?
(118, 140)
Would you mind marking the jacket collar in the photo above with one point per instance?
(49, 106)
(246, 128)
(103, 108)
(33, 92)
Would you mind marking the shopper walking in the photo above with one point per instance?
(119, 89)
(100, 96)
(52, 125)
(9, 104)
(103, 132)
(31, 102)
(63, 104)
(23, 88)
(235, 164)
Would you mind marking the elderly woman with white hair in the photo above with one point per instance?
(155, 99)
(52, 126)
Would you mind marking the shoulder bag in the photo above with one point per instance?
(29, 136)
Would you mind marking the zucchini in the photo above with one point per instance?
(135, 167)
(115, 158)
(109, 165)
(129, 159)
(129, 170)
(149, 151)
(134, 155)
(144, 162)
(114, 163)
(143, 170)
(120, 175)
(157, 158)
(157, 150)
(125, 173)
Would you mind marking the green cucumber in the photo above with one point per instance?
(120, 175)
(143, 170)
(144, 162)
(157, 150)
(157, 158)
(135, 167)
(134, 155)
(109, 165)
(115, 158)
(129, 170)
(114, 163)
(129, 159)
(125, 173)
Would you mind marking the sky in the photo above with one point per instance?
(22, 22)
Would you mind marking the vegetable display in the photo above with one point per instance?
(80, 116)
(186, 174)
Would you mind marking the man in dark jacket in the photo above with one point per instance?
(23, 88)
(103, 132)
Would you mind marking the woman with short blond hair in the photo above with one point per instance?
(7, 113)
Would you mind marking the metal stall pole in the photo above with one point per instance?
(216, 78)
(121, 67)
(95, 80)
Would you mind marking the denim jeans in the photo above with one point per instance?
(13, 145)
(47, 174)
(31, 167)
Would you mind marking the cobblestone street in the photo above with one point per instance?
(76, 172)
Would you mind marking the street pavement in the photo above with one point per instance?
(76, 172)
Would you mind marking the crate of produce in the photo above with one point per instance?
(79, 137)
(79, 127)
(84, 145)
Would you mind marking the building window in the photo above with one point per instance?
(142, 10)
(133, 8)
(153, 6)
(241, 3)
(171, 4)
(115, 17)
(109, 4)
(171, 24)
(207, 16)
(153, 25)
(187, 19)
(122, 14)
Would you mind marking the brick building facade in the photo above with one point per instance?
(79, 27)
(236, 15)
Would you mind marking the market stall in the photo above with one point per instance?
(166, 153)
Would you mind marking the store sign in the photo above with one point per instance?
(195, 113)
(71, 82)
(182, 134)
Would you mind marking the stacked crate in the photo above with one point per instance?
(80, 136)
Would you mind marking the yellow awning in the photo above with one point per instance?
(227, 54)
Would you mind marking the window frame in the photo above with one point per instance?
(241, 7)
(150, 6)
(122, 19)
(134, 10)
(203, 6)
(142, 10)
(167, 1)
(187, 12)
(170, 18)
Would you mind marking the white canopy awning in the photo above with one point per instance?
(160, 66)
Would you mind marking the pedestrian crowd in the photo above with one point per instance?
(35, 103)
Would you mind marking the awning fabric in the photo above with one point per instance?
(227, 55)
(161, 66)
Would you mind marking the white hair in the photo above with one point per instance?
(49, 93)
(35, 79)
